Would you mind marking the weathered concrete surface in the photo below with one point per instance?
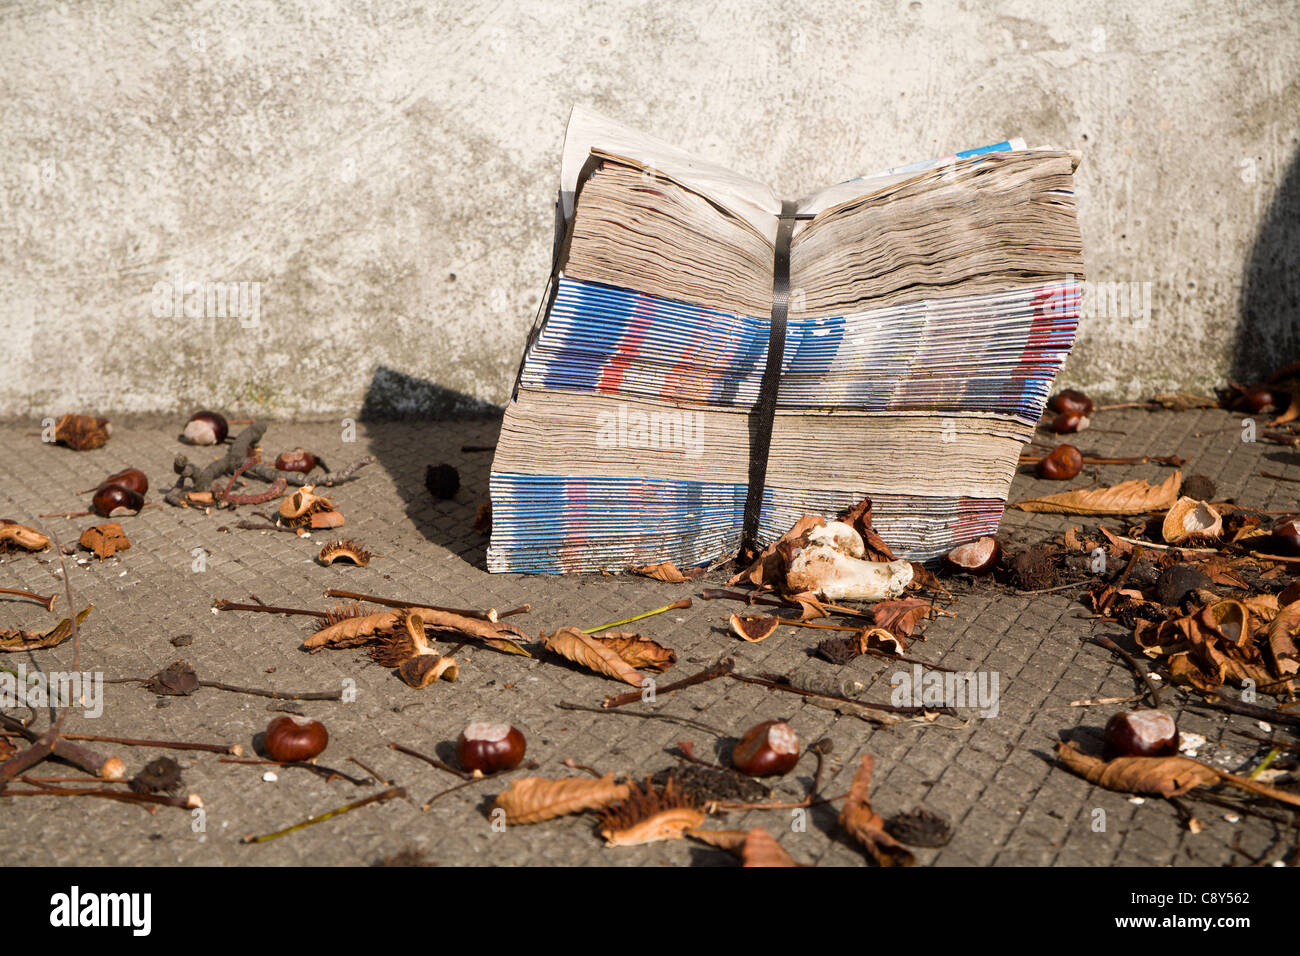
(386, 173)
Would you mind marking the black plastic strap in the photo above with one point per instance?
(760, 422)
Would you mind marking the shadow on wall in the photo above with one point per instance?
(1268, 335)
(413, 424)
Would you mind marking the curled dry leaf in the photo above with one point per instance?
(859, 518)
(82, 432)
(650, 816)
(1282, 633)
(767, 570)
(1156, 776)
(13, 640)
(177, 679)
(732, 840)
(762, 849)
(668, 572)
(1126, 498)
(15, 535)
(105, 540)
(866, 825)
(534, 799)
(353, 630)
(901, 617)
(616, 655)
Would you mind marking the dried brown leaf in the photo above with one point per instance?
(105, 540)
(866, 825)
(669, 572)
(901, 616)
(1126, 498)
(762, 849)
(534, 799)
(82, 432)
(767, 570)
(1155, 776)
(13, 640)
(1282, 633)
(617, 656)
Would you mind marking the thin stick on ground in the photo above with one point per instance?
(393, 602)
(381, 797)
(234, 750)
(676, 605)
(41, 599)
(431, 761)
(1134, 664)
(712, 672)
(671, 718)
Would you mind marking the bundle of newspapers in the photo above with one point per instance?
(929, 308)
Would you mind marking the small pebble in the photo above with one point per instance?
(1136, 801)
(1232, 818)
(270, 776)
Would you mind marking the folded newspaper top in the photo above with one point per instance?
(919, 316)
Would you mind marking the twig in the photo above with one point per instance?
(671, 718)
(377, 776)
(232, 749)
(713, 672)
(46, 602)
(298, 479)
(790, 689)
(392, 602)
(388, 794)
(329, 773)
(1102, 640)
(1230, 706)
(1119, 582)
(431, 761)
(224, 605)
(682, 604)
(424, 808)
(1267, 474)
(188, 802)
(274, 694)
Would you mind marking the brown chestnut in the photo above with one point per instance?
(487, 746)
(1071, 400)
(206, 428)
(1141, 733)
(132, 478)
(1061, 464)
(975, 557)
(300, 459)
(113, 500)
(1287, 534)
(1067, 423)
(292, 738)
(767, 750)
(1257, 398)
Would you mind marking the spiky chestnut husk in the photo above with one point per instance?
(344, 549)
(650, 815)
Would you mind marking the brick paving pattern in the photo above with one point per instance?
(993, 777)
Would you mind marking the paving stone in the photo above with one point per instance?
(994, 777)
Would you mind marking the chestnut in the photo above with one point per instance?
(132, 478)
(767, 750)
(300, 459)
(206, 428)
(1287, 534)
(975, 557)
(1257, 398)
(1067, 423)
(1141, 733)
(487, 746)
(1062, 464)
(1071, 400)
(113, 500)
(291, 738)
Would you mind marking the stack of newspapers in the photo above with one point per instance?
(930, 307)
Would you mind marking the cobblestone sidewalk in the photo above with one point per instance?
(993, 777)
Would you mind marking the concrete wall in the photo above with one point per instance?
(385, 173)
